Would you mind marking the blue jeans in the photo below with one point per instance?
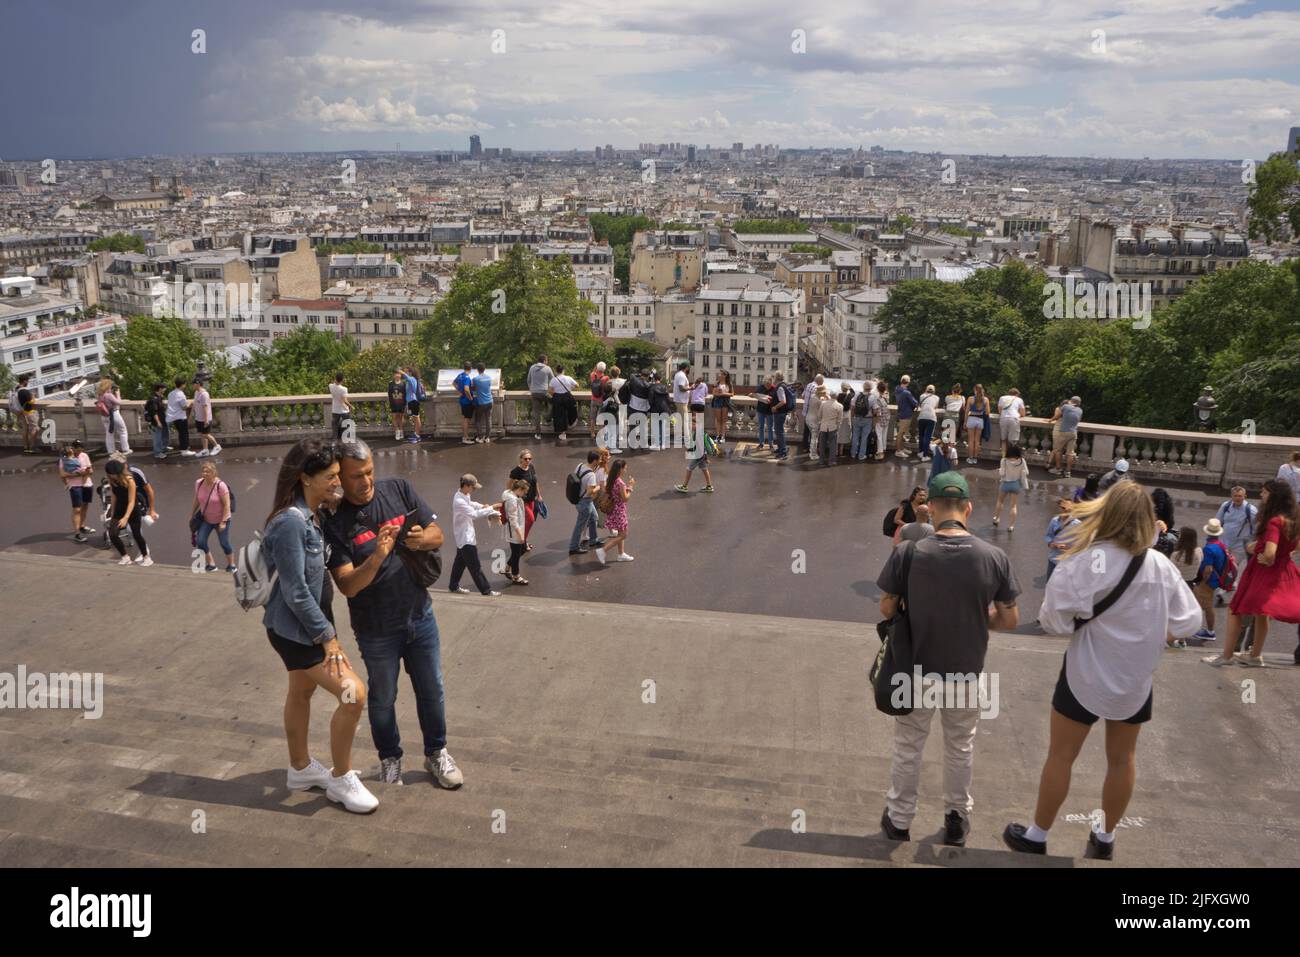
(765, 429)
(159, 440)
(586, 520)
(861, 430)
(778, 429)
(418, 647)
(205, 531)
(926, 427)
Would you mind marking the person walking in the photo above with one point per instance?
(512, 507)
(397, 403)
(1213, 564)
(1013, 476)
(950, 639)
(1011, 409)
(380, 538)
(782, 406)
(588, 487)
(340, 407)
(763, 398)
(977, 415)
(1270, 581)
(300, 629)
(539, 380)
(464, 511)
(722, 393)
(1187, 557)
(696, 458)
(907, 405)
(564, 407)
(155, 413)
(880, 417)
(203, 420)
(464, 386)
(213, 507)
(109, 403)
(1120, 601)
(132, 503)
(75, 471)
(619, 490)
(926, 419)
(482, 405)
(1240, 520)
(178, 416)
(1065, 435)
(528, 473)
(830, 416)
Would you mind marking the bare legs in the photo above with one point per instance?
(350, 690)
(1067, 739)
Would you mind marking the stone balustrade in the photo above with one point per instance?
(1214, 459)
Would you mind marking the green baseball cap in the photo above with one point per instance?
(949, 485)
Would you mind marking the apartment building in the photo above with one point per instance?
(861, 348)
(285, 266)
(898, 267)
(663, 260)
(767, 245)
(41, 334)
(386, 315)
(584, 258)
(625, 316)
(362, 266)
(750, 333)
(135, 202)
(23, 250)
(289, 315)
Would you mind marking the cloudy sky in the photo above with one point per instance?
(1124, 78)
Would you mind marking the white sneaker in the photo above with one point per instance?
(625, 557)
(314, 775)
(124, 560)
(494, 594)
(444, 770)
(537, 436)
(187, 452)
(600, 555)
(216, 450)
(147, 562)
(351, 793)
(201, 453)
(397, 436)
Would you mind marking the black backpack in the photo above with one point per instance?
(862, 405)
(659, 398)
(573, 485)
(889, 526)
(625, 392)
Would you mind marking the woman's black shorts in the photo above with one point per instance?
(295, 655)
(1064, 701)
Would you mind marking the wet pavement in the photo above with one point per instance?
(790, 539)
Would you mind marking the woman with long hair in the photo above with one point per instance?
(1164, 506)
(525, 471)
(108, 400)
(1013, 476)
(620, 490)
(212, 507)
(1112, 656)
(721, 403)
(131, 504)
(514, 508)
(977, 413)
(301, 631)
(1270, 582)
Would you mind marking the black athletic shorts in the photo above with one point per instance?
(295, 655)
(205, 428)
(467, 411)
(413, 408)
(1064, 701)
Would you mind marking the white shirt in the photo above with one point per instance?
(929, 402)
(588, 478)
(562, 384)
(1111, 660)
(614, 386)
(1011, 407)
(176, 403)
(1291, 475)
(339, 394)
(202, 405)
(681, 388)
(463, 512)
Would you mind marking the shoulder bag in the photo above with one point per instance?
(896, 654)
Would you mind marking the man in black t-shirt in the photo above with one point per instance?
(949, 641)
(391, 614)
(397, 403)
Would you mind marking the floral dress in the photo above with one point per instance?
(617, 520)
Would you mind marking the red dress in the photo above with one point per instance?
(1272, 590)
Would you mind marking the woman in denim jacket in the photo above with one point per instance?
(300, 630)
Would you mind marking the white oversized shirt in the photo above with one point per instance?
(681, 388)
(463, 512)
(1111, 660)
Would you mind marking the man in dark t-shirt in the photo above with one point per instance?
(391, 614)
(949, 641)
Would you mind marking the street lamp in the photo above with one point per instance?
(202, 375)
(1204, 407)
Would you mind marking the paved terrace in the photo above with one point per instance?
(760, 703)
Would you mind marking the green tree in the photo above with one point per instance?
(352, 246)
(149, 350)
(1274, 199)
(631, 355)
(902, 223)
(118, 243)
(301, 363)
(623, 268)
(618, 230)
(774, 226)
(7, 378)
(1266, 390)
(507, 312)
(819, 251)
(372, 369)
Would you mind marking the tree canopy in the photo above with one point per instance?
(1274, 200)
(118, 243)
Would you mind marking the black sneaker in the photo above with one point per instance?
(1014, 838)
(1098, 850)
(892, 832)
(579, 551)
(955, 829)
(80, 537)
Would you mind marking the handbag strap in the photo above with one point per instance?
(1115, 593)
(905, 572)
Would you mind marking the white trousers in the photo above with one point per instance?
(910, 733)
(115, 426)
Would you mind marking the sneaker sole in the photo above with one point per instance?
(339, 801)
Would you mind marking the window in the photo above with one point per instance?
(52, 367)
(22, 355)
(732, 365)
(748, 308)
(706, 326)
(706, 312)
(746, 382)
(747, 327)
(705, 343)
(733, 345)
(733, 327)
(392, 328)
(761, 360)
(92, 358)
(73, 363)
(705, 362)
(51, 349)
(70, 345)
(733, 312)
(762, 311)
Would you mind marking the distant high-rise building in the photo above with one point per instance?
(1293, 142)
(690, 154)
(609, 151)
(737, 147)
(475, 147)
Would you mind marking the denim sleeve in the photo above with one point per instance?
(289, 547)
